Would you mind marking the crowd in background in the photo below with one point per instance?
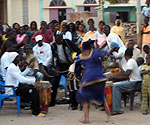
(46, 53)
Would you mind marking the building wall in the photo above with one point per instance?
(34, 11)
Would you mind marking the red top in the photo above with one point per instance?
(47, 36)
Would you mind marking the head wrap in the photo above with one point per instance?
(12, 56)
(88, 44)
(38, 38)
(114, 45)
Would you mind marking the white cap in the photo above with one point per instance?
(12, 56)
(38, 38)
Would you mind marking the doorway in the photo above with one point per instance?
(61, 15)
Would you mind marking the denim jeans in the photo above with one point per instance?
(118, 88)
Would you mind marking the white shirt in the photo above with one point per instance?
(120, 53)
(5, 62)
(61, 54)
(135, 74)
(14, 77)
(42, 53)
(123, 63)
(146, 11)
(112, 37)
(68, 35)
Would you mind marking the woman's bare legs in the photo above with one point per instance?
(86, 113)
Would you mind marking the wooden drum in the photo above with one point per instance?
(44, 90)
(108, 92)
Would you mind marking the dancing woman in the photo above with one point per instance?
(93, 80)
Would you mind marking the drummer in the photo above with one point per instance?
(24, 86)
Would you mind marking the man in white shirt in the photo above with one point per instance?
(125, 86)
(112, 37)
(24, 86)
(136, 51)
(116, 51)
(42, 50)
(146, 11)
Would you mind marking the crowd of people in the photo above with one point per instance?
(57, 49)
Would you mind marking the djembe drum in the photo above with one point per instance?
(44, 90)
(108, 92)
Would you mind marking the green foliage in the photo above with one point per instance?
(117, 1)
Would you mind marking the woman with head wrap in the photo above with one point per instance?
(119, 30)
(93, 80)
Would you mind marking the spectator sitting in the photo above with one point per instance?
(32, 63)
(125, 86)
(42, 51)
(136, 51)
(117, 52)
(24, 86)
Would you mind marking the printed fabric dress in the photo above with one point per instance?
(93, 80)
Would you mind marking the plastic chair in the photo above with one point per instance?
(4, 96)
(137, 88)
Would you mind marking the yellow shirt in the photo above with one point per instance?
(146, 77)
(119, 30)
(146, 37)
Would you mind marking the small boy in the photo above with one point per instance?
(146, 50)
(140, 62)
(146, 85)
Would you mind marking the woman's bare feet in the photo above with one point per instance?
(85, 122)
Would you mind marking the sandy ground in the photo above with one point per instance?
(61, 115)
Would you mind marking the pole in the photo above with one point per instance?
(102, 10)
(138, 22)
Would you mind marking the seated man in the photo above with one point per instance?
(136, 51)
(125, 86)
(24, 86)
(42, 51)
(32, 63)
(116, 51)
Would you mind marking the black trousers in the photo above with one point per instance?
(31, 93)
(55, 84)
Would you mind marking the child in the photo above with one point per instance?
(140, 62)
(146, 85)
(146, 50)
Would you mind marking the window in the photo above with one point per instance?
(89, 2)
(57, 3)
(87, 9)
(124, 16)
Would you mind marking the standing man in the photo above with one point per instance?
(46, 33)
(61, 61)
(146, 10)
(146, 32)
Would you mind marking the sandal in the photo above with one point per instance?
(117, 113)
(145, 112)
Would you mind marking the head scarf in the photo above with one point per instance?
(114, 45)
(88, 44)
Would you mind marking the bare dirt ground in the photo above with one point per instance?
(61, 115)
